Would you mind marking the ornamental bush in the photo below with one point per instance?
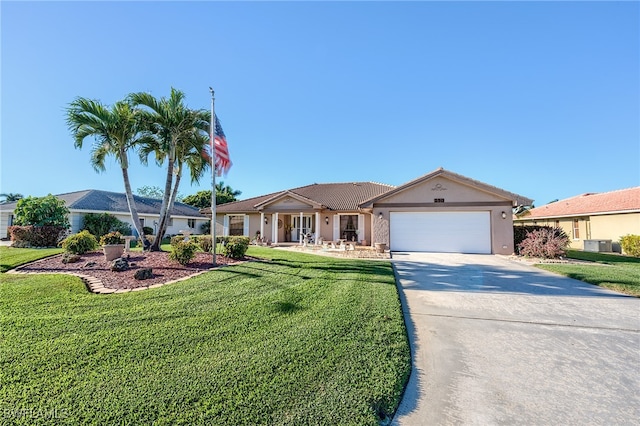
(80, 243)
(183, 252)
(111, 238)
(548, 243)
(100, 224)
(204, 241)
(235, 247)
(630, 245)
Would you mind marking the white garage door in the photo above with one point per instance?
(447, 232)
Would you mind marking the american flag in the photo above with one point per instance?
(223, 162)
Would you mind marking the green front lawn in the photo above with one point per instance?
(294, 339)
(11, 257)
(619, 273)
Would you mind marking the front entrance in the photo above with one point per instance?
(298, 226)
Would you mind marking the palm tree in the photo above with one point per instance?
(177, 135)
(11, 197)
(116, 131)
(225, 194)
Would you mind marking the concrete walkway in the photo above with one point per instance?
(497, 342)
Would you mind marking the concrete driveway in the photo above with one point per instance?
(498, 342)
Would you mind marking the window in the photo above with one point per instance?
(191, 223)
(142, 221)
(10, 220)
(576, 229)
(557, 224)
(349, 227)
(236, 225)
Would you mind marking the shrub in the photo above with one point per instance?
(42, 211)
(235, 247)
(205, 243)
(36, 236)
(111, 238)
(549, 243)
(147, 230)
(102, 223)
(520, 233)
(630, 245)
(176, 239)
(80, 243)
(205, 228)
(183, 252)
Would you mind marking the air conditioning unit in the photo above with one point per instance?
(597, 245)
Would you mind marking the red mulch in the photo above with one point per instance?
(94, 264)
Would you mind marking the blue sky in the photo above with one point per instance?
(538, 98)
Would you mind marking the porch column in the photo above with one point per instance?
(261, 224)
(300, 228)
(317, 227)
(274, 225)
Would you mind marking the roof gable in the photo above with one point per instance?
(451, 186)
(622, 200)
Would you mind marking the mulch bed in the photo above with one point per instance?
(93, 264)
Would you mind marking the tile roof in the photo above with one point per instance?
(334, 196)
(622, 200)
(97, 200)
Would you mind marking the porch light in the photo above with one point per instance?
(504, 215)
(266, 220)
(380, 215)
(326, 220)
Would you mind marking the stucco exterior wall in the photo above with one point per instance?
(441, 194)
(440, 187)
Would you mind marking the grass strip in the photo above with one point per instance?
(615, 272)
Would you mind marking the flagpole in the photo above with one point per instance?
(213, 177)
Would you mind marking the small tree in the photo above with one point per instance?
(41, 211)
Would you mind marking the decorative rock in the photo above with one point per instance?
(143, 274)
(70, 258)
(89, 264)
(119, 265)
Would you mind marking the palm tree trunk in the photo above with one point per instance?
(174, 193)
(131, 201)
(162, 227)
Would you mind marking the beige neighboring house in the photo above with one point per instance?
(591, 220)
(439, 212)
(183, 216)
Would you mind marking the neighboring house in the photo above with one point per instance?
(183, 216)
(441, 212)
(590, 216)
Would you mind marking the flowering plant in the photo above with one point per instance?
(111, 238)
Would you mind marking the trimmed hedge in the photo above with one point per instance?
(36, 236)
(630, 245)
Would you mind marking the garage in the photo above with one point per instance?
(444, 231)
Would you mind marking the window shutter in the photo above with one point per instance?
(245, 229)
(225, 225)
(336, 227)
(361, 235)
